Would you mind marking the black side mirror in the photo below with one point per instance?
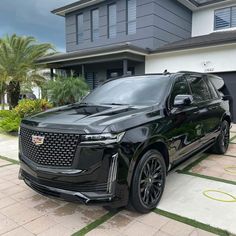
(183, 100)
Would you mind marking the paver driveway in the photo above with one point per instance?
(25, 212)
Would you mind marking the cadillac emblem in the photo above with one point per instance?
(37, 140)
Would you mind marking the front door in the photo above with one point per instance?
(184, 129)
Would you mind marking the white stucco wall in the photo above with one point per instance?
(203, 20)
(211, 59)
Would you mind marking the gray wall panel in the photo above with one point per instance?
(158, 22)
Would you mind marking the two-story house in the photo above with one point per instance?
(118, 37)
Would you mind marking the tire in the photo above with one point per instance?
(222, 142)
(148, 182)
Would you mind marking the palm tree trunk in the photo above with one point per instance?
(13, 91)
(3, 100)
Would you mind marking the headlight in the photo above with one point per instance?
(106, 138)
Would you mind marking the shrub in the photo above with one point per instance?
(67, 90)
(27, 107)
(10, 119)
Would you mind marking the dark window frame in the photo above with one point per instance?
(77, 25)
(92, 25)
(108, 21)
(231, 17)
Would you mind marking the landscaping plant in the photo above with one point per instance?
(18, 55)
(66, 90)
(10, 119)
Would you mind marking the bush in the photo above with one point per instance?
(27, 107)
(66, 90)
(10, 120)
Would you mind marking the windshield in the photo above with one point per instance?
(141, 90)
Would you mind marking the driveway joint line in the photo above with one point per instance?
(207, 177)
(10, 160)
(95, 223)
(191, 222)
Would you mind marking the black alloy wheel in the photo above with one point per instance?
(222, 142)
(148, 182)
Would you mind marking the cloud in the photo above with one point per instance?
(34, 18)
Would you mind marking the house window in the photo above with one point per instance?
(95, 24)
(131, 16)
(225, 18)
(80, 28)
(112, 21)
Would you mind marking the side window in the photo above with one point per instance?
(180, 88)
(212, 89)
(199, 89)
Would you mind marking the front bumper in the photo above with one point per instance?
(49, 181)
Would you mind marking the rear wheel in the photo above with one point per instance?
(148, 182)
(222, 142)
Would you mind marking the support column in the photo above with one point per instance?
(83, 70)
(51, 74)
(125, 66)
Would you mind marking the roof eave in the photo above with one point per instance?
(62, 11)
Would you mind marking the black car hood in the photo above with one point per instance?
(92, 118)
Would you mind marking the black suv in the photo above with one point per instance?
(117, 145)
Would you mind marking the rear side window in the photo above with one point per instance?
(212, 89)
(199, 89)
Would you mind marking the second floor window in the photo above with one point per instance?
(80, 28)
(112, 21)
(131, 16)
(225, 18)
(95, 24)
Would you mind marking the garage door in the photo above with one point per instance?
(230, 89)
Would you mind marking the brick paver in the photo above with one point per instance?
(25, 212)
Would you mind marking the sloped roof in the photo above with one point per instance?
(217, 38)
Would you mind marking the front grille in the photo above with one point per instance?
(58, 149)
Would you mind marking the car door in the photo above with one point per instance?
(183, 133)
(203, 99)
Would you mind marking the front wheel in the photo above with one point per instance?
(148, 182)
(222, 142)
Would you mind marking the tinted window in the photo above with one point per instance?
(80, 28)
(112, 21)
(199, 89)
(180, 88)
(131, 16)
(142, 90)
(95, 24)
(213, 92)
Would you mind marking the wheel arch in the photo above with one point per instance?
(159, 146)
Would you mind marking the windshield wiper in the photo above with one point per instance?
(115, 104)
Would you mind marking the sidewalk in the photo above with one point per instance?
(9, 146)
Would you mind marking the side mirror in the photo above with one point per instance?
(183, 100)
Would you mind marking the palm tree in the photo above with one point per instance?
(17, 59)
(66, 90)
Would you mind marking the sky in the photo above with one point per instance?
(34, 18)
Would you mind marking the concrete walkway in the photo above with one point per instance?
(9, 146)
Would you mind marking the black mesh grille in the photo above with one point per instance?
(58, 149)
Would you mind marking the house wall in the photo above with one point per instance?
(211, 59)
(158, 22)
(203, 20)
